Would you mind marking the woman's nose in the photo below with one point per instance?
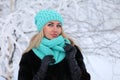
(55, 28)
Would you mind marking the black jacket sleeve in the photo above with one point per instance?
(79, 57)
(25, 72)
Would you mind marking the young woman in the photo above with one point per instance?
(52, 55)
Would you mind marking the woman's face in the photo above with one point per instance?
(52, 29)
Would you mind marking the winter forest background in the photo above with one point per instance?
(93, 24)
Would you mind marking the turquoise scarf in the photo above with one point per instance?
(52, 47)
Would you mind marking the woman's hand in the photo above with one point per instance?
(70, 51)
(43, 67)
(47, 60)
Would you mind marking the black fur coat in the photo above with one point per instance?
(30, 64)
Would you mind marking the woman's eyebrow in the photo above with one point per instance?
(53, 23)
(50, 22)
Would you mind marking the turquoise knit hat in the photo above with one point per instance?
(45, 16)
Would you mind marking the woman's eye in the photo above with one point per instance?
(59, 26)
(50, 24)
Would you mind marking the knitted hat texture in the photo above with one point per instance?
(45, 16)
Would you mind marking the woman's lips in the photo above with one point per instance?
(54, 35)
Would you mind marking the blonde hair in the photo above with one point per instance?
(36, 39)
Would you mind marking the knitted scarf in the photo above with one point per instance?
(52, 47)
